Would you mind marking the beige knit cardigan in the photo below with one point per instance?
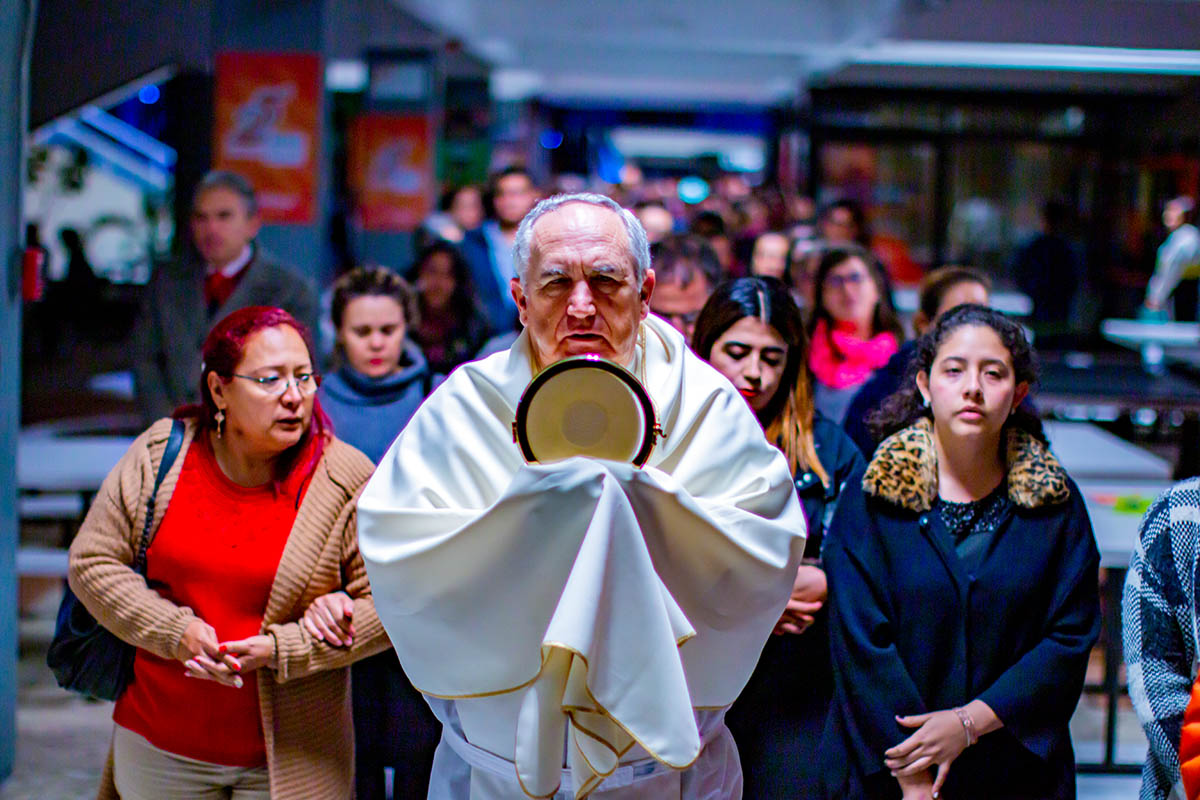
(305, 701)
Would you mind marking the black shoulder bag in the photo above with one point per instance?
(85, 656)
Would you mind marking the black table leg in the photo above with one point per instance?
(1111, 686)
(1189, 447)
(1114, 583)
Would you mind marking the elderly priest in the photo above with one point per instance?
(579, 624)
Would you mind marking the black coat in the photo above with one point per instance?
(870, 396)
(778, 719)
(912, 632)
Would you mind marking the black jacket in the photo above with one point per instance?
(870, 396)
(841, 459)
(911, 631)
(778, 719)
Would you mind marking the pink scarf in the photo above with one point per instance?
(858, 357)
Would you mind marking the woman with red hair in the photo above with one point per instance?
(231, 695)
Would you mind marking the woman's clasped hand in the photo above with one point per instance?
(939, 738)
(330, 619)
(808, 597)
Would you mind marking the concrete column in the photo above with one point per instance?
(15, 16)
(295, 26)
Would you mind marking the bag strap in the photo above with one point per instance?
(174, 443)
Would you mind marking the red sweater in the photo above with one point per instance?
(1189, 744)
(216, 551)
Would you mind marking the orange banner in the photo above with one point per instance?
(268, 109)
(390, 161)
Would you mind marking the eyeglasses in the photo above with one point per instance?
(275, 385)
(682, 319)
(842, 281)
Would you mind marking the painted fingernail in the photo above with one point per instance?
(237, 667)
(222, 649)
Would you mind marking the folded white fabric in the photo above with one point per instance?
(612, 599)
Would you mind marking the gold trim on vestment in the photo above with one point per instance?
(618, 722)
(553, 791)
(600, 710)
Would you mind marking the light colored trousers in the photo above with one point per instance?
(144, 772)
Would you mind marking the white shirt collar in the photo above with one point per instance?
(235, 266)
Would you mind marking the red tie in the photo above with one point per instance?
(217, 288)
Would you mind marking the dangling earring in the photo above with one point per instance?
(925, 402)
(219, 418)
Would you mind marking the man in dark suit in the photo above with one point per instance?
(185, 298)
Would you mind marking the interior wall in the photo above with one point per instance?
(13, 18)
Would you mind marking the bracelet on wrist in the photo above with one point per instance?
(968, 725)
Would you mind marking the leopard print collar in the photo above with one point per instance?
(904, 470)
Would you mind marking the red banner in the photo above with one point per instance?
(268, 109)
(390, 160)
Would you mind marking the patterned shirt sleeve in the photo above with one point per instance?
(1158, 630)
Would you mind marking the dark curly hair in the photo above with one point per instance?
(906, 406)
(462, 301)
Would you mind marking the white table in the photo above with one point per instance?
(1115, 521)
(1117, 479)
(57, 477)
(1179, 341)
(1089, 452)
(1114, 507)
(47, 463)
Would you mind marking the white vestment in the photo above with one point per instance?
(580, 626)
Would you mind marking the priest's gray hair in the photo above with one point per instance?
(639, 247)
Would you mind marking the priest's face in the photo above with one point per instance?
(580, 294)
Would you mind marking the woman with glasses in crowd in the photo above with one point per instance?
(853, 328)
(382, 380)
(963, 585)
(231, 695)
(751, 331)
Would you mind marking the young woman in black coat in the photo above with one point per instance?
(963, 585)
(752, 332)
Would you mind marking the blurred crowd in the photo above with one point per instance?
(458, 274)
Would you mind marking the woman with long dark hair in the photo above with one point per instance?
(752, 332)
(451, 326)
(853, 327)
(963, 585)
(231, 695)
